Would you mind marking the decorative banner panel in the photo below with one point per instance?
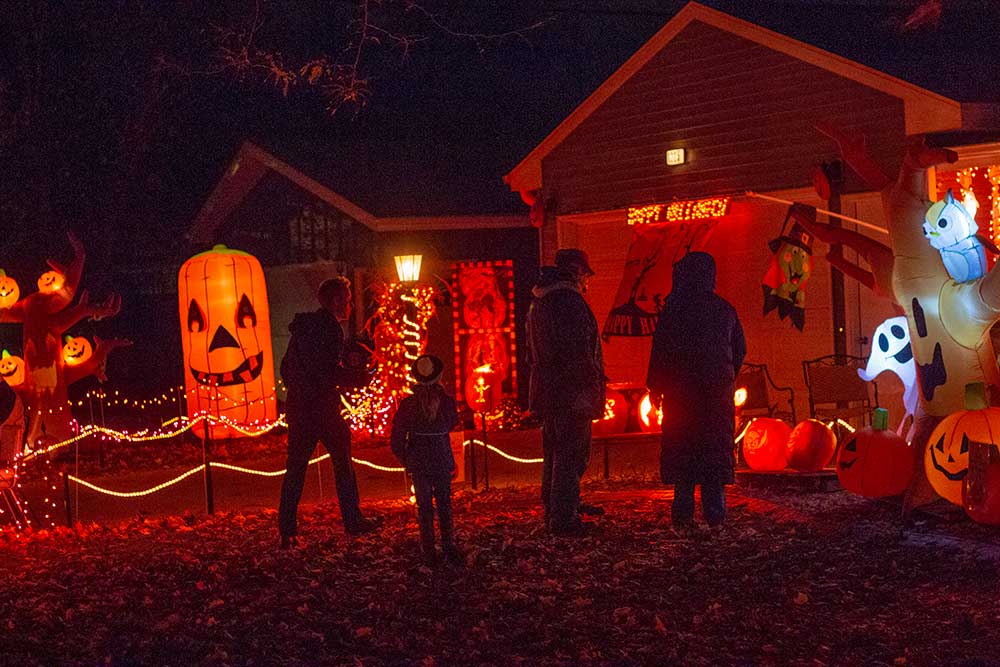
(646, 281)
(485, 346)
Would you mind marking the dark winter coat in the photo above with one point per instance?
(311, 368)
(564, 349)
(424, 447)
(698, 348)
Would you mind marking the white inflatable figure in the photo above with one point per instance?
(953, 232)
(891, 351)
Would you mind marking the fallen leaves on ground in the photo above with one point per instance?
(831, 581)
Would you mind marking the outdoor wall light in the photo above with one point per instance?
(675, 156)
(408, 267)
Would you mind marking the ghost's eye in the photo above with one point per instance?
(942, 223)
(883, 343)
(897, 331)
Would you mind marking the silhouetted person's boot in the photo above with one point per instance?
(451, 551)
(427, 548)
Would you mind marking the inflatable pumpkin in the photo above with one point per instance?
(875, 462)
(9, 291)
(764, 444)
(810, 446)
(51, 282)
(11, 369)
(226, 339)
(76, 350)
(946, 460)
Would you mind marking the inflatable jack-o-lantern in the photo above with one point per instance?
(810, 446)
(51, 282)
(9, 291)
(615, 417)
(946, 460)
(764, 444)
(76, 350)
(226, 339)
(875, 462)
(11, 369)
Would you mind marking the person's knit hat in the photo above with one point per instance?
(573, 259)
(427, 369)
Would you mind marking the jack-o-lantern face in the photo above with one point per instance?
(764, 444)
(11, 369)
(615, 417)
(226, 337)
(875, 463)
(947, 457)
(50, 282)
(9, 291)
(76, 350)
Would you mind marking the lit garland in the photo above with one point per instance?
(966, 182)
(679, 211)
(399, 331)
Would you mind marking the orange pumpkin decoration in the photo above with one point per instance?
(615, 417)
(875, 462)
(9, 291)
(981, 486)
(51, 282)
(11, 369)
(226, 339)
(76, 350)
(650, 420)
(483, 391)
(810, 446)
(947, 457)
(764, 444)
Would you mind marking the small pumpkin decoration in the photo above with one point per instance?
(810, 446)
(615, 414)
(9, 291)
(947, 457)
(650, 420)
(51, 282)
(876, 462)
(11, 369)
(764, 444)
(76, 350)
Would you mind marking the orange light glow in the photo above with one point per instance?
(51, 281)
(679, 211)
(646, 415)
(740, 397)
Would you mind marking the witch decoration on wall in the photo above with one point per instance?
(789, 271)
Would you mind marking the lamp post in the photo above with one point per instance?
(408, 267)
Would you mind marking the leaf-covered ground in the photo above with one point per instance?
(820, 579)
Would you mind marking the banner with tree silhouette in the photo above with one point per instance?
(648, 269)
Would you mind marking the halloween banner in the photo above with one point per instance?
(485, 348)
(648, 272)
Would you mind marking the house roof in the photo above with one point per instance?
(252, 163)
(925, 111)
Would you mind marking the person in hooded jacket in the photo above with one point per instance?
(420, 440)
(566, 386)
(313, 374)
(698, 348)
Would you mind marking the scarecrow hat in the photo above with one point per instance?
(796, 236)
(427, 369)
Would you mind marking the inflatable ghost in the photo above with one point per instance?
(951, 231)
(891, 352)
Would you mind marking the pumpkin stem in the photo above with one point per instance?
(975, 396)
(880, 419)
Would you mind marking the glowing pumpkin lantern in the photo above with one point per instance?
(76, 350)
(764, 444)
(11, 369)
(875, 462)
(810, 446)
(615, 414)
(9, 291)
(650, 420)
(226, 339)
(51, 282)
(947, 456)
(483, 391)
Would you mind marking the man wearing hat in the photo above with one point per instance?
(567, 382)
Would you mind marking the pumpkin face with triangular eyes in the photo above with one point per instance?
(226, 337)
(9, 291)
(11, 369)
(76, 350)
(947, 457)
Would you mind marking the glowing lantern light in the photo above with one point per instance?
(615, 417)
(11, 369)
(947, 456)
(483, 390)
(764, 444)
(408, 267)
(9, 291)
(226, 339)
(76, 350)
(740, 397)
(875, 462)
(810, 446)
(51, 282)
(648, 422)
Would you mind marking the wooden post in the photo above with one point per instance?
(472, 460)
(486, 458)
(209, 489)
(834, 172)
(607, 463)
(66, 500)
